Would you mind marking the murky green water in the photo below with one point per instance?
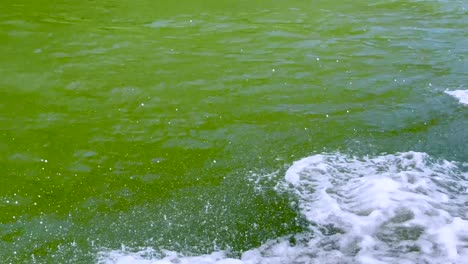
(147, 123)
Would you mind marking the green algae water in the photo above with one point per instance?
(152, 131)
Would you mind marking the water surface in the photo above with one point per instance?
(162, 125)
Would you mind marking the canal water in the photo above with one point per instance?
(234, 131)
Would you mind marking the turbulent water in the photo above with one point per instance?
(403, 208)
(234, 132)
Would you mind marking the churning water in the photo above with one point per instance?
(233, 131)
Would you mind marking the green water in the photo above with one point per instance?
(150, 123)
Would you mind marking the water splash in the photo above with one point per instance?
(402, 208)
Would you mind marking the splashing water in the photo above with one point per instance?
(403, 208)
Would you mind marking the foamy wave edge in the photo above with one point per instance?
(461, 95)
(401, 208)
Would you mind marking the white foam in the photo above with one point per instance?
(167, 257)
(391, 208)
(461, 95)
(402, 208)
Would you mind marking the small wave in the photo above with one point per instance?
(402, 208)
(461, 95)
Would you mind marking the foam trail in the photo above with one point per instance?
(402, 208)
(461, 95)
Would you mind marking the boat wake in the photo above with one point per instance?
(402, 208)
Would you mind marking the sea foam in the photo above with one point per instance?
(401, 208)
(461, 95)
